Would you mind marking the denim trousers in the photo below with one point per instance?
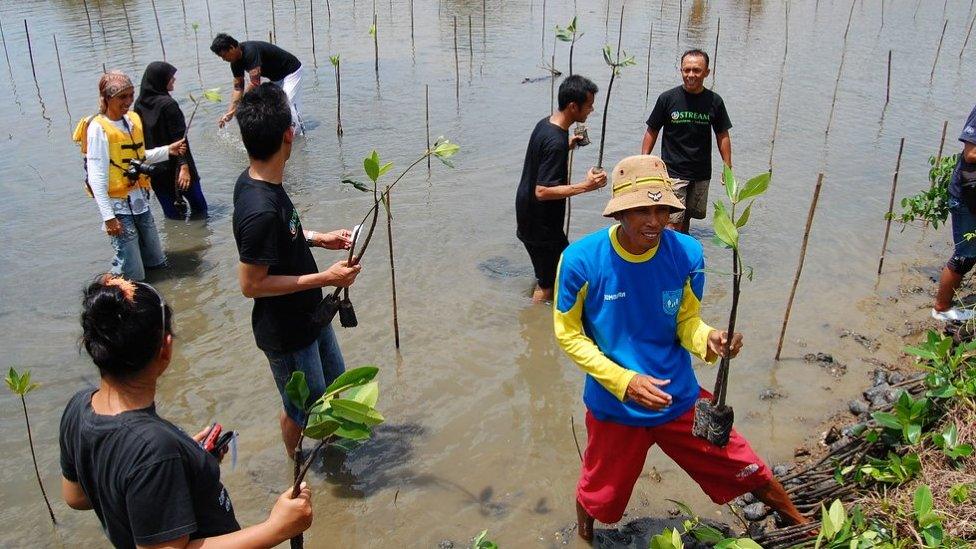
(138, 248)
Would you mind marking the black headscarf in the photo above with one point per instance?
(153, 95)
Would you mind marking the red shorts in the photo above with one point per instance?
(615, 456)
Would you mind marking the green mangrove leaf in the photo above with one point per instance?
(724, 228)
(744, 218)
(195, 26)
(683, 507)
(443, 149)
(213, 95)
(731, 187)
(482, 541)
(349, 379)
(913, 433)
(297, 390)
(356, 412)
(385, 168)
(668, 539)
(334, 59)
(367, 394)
(371, 165)
(741, 543)
(718, 242)
(755, 186)
(321, 426)
(352, 431)
(13, 381)
(372, 30)
(563, 35)
(357, 184)
(886, 419)
(607, 55)
(924, 513)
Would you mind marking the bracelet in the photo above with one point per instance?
(310, 236)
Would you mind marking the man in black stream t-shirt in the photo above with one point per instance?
(260, 60)
(276, 265)
(688, 114)
(540, 202)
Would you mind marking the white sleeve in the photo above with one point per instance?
(159, 154)
(98, 166)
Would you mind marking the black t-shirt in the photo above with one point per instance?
(268, 232)
(147, 480)
(275, 62)
(688, 120)
(541, 221)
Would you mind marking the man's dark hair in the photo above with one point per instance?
(695, 53)
(264, 116)
(223, 42)
(575, 89)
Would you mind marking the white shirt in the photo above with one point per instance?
(98, 167)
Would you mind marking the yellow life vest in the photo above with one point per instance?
(123, 146)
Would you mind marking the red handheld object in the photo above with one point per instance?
(211, 439)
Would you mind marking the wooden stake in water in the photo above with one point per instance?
(840, 69)
(64, 91)
(3, 37)
(888, 86)
(338, 80)
(779, 93)
(647, 79)
(311, 18)
(127, 25)
(968, 32)
(88, 16)
(891, 206)
(470, 46)
(274, 27)
(718, 33)
(209, 20)
(412, 44)
(183, 6)
(427, 121)
(544, 25)
(484, 28)
(30, 51)
(389, 239)
(677, 35)
(159, 30)
(938, 50)
(457, 70)
(799, 267)
(376, 46)
(945, 127)
(244, 11)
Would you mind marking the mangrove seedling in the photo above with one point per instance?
(345, 414)
(376, 47)
(334, 59)
(443, 150)
(713, 419)
(213, 95)
(616, 62)
(569, 34)
(20, 385)
(196, 41)
(930, 205)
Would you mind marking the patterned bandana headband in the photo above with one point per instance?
(111, 84)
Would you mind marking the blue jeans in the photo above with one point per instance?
(138, 248)
(963, 223)
(321, 362)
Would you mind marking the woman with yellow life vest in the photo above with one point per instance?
(117, 163)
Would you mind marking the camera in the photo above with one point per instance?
(139, 167)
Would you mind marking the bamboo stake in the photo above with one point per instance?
(677, 35)
(376, 47)
(209, 20)
(647, 80)
(196, 47)
(891, 206)
(888, 87)
(938, 50)
(968, 32)
(338, 79)
(606, 20)
(30, 51)
(311, 18)
(88, 16)
(127, 25)
(882, 17)
(159, 30)
(3, 37)
(389, 239)
(427, 121)
(544, 26)
(779, 93)
(274, 27)
(718, 33)
(799, 267)
(457, 71)
(412, 44)
(183, 6)
(840, 69)
(244, 10)
(945, 127)
(484, 27)
(64, 91)
(471, 46)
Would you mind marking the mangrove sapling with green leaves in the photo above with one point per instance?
(930, 205)
(212, 95)
(481, 541)
(569, 34)
(673, 538)
(334, 59)
(616, 62)
(713, 419)
(344, 414)
(443, 150)
(21, 385)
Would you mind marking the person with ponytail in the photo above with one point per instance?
(149, 483)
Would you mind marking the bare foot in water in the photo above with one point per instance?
(541, 295)
(584, 523)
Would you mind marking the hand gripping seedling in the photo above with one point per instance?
(443, 149)
(713, 419)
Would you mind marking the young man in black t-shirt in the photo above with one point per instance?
(276, 265)
(260, 60)
(689, 114)
(540, 202)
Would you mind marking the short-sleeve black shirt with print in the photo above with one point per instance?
(268, 231)
(541, 221)
(688, 119)
(275, 62)
(146, 479)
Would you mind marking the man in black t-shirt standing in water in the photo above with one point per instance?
(540, 202)
(687, 113)
(259, 60)
(276, 266)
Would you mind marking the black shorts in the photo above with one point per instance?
(545, 260)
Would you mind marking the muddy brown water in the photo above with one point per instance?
(480, 400)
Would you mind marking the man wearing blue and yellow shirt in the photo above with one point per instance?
(627, 311)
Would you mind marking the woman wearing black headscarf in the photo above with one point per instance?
(177, 181)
